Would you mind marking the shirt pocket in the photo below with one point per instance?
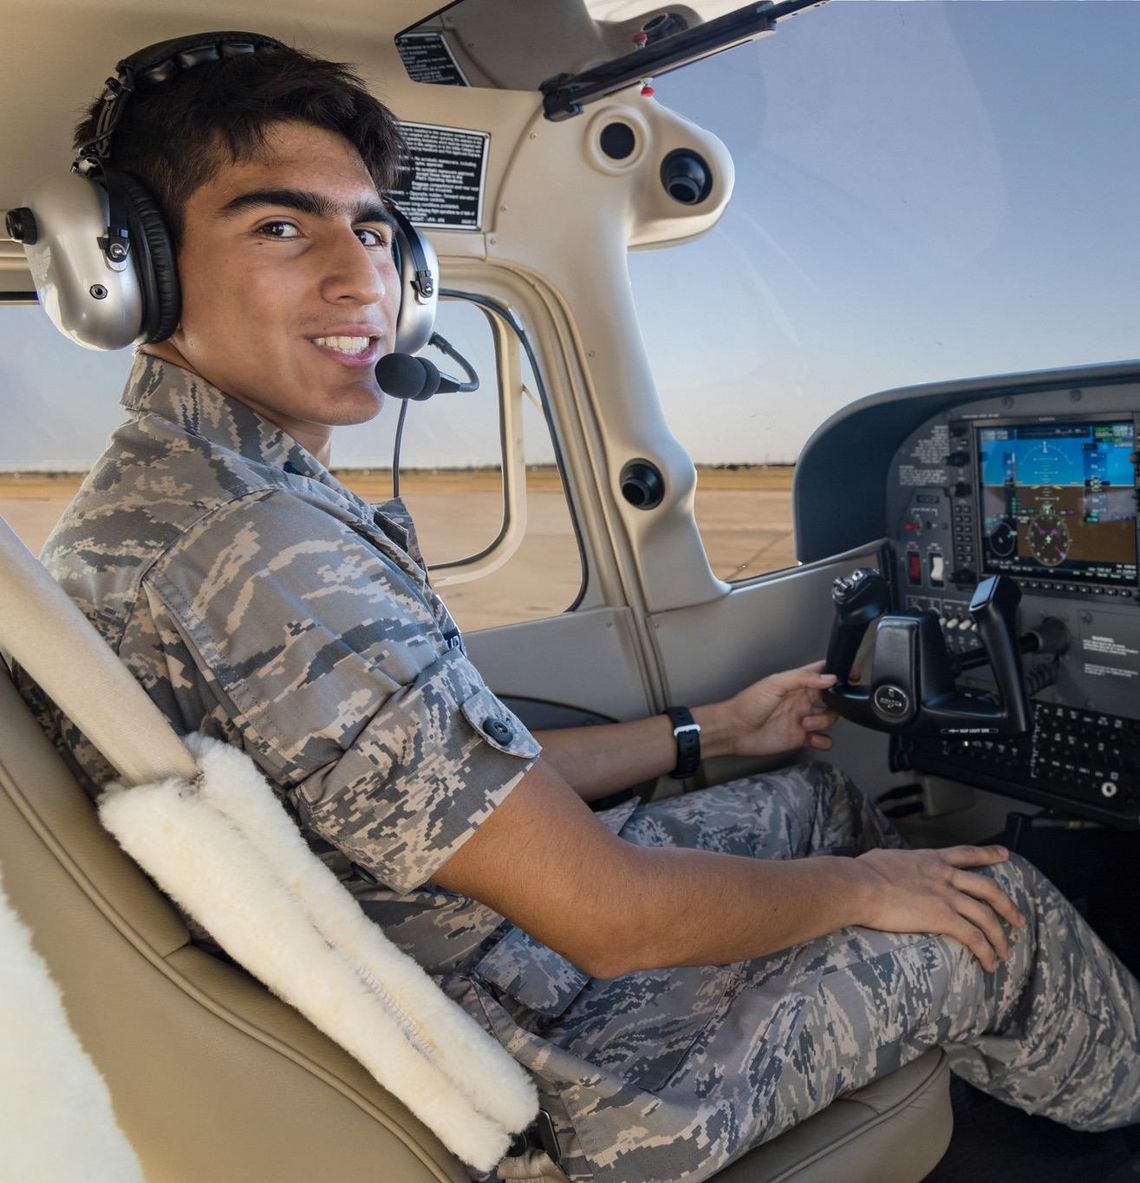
(429, 767)
(529, 971)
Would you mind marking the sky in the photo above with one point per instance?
(924, 191)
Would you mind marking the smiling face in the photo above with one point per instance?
(289, 290)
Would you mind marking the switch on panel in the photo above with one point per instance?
(937, 570)
(913, 567)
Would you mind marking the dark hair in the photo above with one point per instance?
(176, 136)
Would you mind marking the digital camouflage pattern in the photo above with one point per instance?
(259, 601)
(668, 1075)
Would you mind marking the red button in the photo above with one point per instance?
(913, 566)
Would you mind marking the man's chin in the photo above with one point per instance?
(354, 407)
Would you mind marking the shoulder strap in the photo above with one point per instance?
(47, 634)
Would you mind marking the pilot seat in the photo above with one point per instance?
(211, 1076)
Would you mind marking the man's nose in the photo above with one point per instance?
(356, 273)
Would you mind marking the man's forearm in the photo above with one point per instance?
(545, 862)
(604, 759)
(692, 907)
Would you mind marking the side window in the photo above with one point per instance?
(59, 403)
(478, 471)
(479, 474)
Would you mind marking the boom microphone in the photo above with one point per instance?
(411, 378)
(403, 376)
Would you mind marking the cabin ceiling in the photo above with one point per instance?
(57, 54)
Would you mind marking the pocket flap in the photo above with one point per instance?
(532, 973)
(500, 727)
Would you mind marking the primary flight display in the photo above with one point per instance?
(1058, 499)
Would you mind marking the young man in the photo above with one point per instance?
(680, 978)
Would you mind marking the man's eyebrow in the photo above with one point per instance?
(307, 202)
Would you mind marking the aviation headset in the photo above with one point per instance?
(100, 254)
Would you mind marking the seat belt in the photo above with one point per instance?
(530, 1165)
(534, 1154)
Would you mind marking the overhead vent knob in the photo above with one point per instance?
(21, 225)
(686, 176)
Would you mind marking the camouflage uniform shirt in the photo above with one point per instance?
(259, 601)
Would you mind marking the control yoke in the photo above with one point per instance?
(912, 689)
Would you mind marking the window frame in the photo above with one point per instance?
(509, 334)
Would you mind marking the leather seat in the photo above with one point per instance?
(214, 1078)
(893, 1131)
(211, 1076)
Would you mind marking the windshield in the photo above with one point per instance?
(923, 191)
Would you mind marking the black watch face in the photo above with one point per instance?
(687, 734)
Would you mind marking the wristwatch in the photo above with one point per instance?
(687, 733)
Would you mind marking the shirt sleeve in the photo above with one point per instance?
(322, 647)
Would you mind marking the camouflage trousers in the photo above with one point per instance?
(668, 1075)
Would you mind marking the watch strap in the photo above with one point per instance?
(687, 733)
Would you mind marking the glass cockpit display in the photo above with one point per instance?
(1057, 500)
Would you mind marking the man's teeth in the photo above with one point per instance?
(344, 344)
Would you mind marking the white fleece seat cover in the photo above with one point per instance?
(225, 849)
(56, 1119)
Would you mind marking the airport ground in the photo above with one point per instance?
(745, 517)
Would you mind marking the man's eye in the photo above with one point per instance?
(278, 230)
(372, 237)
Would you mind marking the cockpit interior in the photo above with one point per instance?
(965, 559)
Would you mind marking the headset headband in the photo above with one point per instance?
(156, 65)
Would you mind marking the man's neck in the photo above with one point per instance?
(169, 352)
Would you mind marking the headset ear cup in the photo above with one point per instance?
(154, 257)
(418, 269)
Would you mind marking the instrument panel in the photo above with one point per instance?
(1043, 490)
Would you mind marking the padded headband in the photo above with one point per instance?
(155, 65)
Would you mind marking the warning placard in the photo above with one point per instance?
(448, 176)
(428, 58)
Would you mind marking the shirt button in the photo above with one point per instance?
(499, 731)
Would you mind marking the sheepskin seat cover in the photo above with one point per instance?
(225, 849)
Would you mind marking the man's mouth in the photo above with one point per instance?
(350, 349)
(352, 346)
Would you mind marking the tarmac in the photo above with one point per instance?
(744, 514)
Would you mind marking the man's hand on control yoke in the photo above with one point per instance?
(780, 712)
(777, 714)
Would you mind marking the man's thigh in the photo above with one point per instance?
(794, 812)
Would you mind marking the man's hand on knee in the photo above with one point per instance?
(934, 891)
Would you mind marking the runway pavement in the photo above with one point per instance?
(744, 515)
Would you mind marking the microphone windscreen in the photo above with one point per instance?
(432, 377)
(401, 375)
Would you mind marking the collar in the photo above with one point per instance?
(158, 387)
(161, 388)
